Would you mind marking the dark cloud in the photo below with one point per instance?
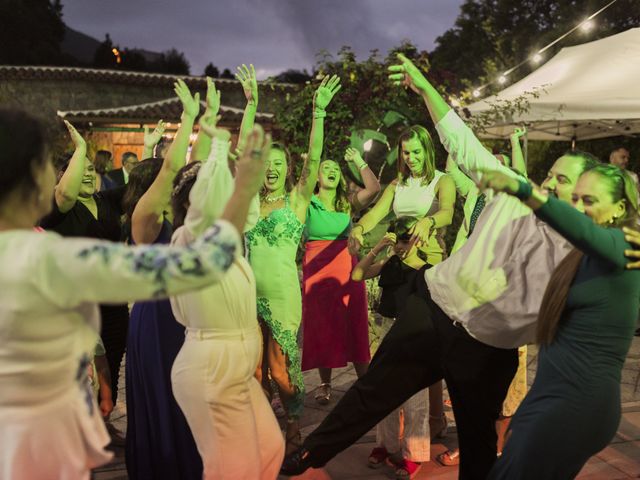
(274, 35)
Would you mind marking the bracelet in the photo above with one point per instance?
(360, 165)
(525, 190)
(317, 113)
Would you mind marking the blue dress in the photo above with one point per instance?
(573, 408)
(159, 441)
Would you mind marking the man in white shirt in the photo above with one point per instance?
(466, 323)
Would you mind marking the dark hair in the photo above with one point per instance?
(621, 187)
(341, 202)
(402, 226)
(23, 147)
(422, 134)
(140, 179)
(127, 155)
(101, 161)
(182, 184)
(588, 160)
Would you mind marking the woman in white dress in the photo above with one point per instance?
(232, 422)
(50, 287)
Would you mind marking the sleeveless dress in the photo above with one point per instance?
(159, 441)
(413, 199)
(335, 318)
(272, 247)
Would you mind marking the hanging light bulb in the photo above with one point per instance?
(503, 79)
(587, 25)
(537, 58)
(476, 93)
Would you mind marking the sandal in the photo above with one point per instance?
(450, 458)
(323, 393)
(406, 469)
(377, 457)
(439, 429)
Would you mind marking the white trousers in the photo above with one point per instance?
(406, 430)
(234, 428)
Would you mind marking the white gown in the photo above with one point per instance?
(50, 287)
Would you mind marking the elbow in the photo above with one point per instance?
(446, 216)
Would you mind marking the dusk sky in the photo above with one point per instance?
(274, 35)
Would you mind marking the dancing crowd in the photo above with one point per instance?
(187, 261)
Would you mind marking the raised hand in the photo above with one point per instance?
(518, 133)
(388, 240)
(208, 123)
(247, 77)
(407, 74)
(153, 138)
(355, 240)
(251, 165)
(325, 92)
(190, 104)
(352, 155)
(76, 138)
(421, 231)
(213, 97)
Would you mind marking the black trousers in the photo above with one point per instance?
(113, 331)
(422, 347)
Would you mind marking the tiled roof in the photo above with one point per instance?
(113, 76)
(168, 110)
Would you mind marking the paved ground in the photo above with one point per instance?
(620, 460)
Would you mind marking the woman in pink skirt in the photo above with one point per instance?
(334, 308)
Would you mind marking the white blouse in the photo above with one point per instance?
(413, 199)
(50, 288)
(230, 303)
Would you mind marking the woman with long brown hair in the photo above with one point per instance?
(585, 327)
(335, 318)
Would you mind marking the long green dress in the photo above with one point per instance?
(272, 245)
(573, 408)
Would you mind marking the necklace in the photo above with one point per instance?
(273, 199)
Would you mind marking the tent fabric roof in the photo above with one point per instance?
(168, 110)
(586, 91)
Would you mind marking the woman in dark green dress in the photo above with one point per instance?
(585, 327)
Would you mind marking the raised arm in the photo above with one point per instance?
(147, 217)
(456, 137)
(202, 145)
(370, 219)
(68, 188)
(309, 176)
(364, 196)
(462, 182)
(607, 244)
(518, 162)
(370, 266)
(70, 272)
(212, 189)
(152, 139)
(247, 77)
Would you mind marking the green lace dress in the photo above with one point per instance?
(272, 245)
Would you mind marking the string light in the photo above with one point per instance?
(586, 25)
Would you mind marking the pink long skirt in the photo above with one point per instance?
(334, 308)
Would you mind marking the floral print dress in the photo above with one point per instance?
(273, 244)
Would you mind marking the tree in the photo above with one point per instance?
(31, 32)
(175, 62)
(490, 36)
(104, 56)
(226, 73)
(211, 71)
(292, 76)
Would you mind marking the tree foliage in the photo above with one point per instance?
(31, 32)
(211, 71)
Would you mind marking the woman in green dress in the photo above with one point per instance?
(272, 245)
(585, 327)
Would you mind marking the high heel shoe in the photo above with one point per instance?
(439, 426)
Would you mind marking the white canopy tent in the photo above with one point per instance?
(587, 91)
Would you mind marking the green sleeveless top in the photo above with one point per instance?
(323, 224)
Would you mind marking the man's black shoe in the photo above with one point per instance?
(296, 462)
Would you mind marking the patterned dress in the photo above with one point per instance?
(273, 244)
